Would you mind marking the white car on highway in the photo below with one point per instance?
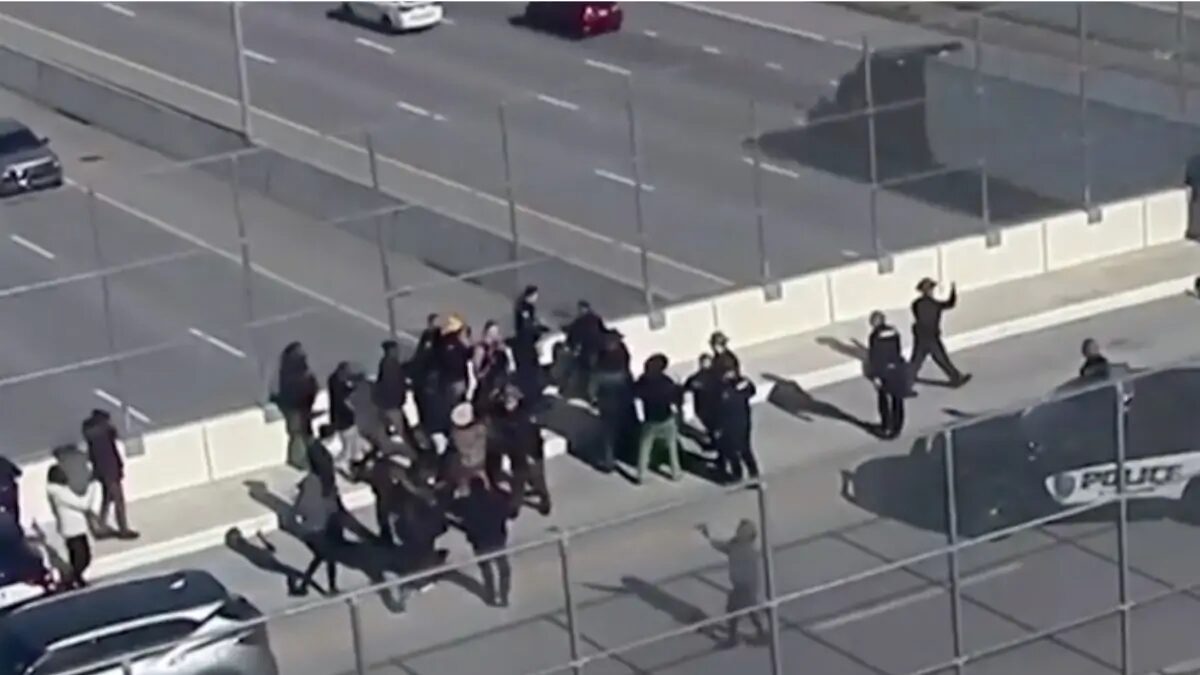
(401, 15)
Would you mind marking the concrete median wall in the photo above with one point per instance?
(228, 445)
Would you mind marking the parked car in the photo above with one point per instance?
(26, 160)
(575, 19)
(182, 623)
(396, 16)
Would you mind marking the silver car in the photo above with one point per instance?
(184, 623)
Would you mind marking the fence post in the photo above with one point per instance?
(1084, 141)
(952, 533)
(360, 663)
(110, 332)
(760, 209)
(882, 257)
(243, 234)
(385, 267)
(768, 556)
(991, 234)
(1181, 50)
(636, 165)
(243, 77)
(1123, 531)
(564, 561)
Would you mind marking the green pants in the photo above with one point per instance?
(667, 433)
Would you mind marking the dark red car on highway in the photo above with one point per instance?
(575, 19)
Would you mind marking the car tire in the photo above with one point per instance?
(347, 10)
(1187, 510)
(387, 25)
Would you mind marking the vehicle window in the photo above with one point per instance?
(109, 647)
(17, 141)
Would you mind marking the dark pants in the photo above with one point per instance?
(890, 399)
(113, 496)
(10, 502)
(932, 346)
(490, 570)
(529, 475)
(323, 545)
(529, 373)
(737, 454)
(79, 557)
(299, 431)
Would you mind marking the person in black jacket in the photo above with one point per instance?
(339, 386)
(611, 390)
(10, 476)
(1095, 366)
(584, 336)
(391, 389)
(888, 372)
(421, 372)
(485, 521)
(521, 440)
(108, 468)
(927, 332)
(296, 392)
(705, 387)
(733, 426)
(527, 330)
(723, 357)
(661, 398)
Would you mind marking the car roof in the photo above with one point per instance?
(43, 623)
(8, 125)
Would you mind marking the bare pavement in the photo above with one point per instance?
(656, 574)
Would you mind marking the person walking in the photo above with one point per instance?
(108, 468)
(485, 516)
(318, 522)
(661, 398)
(888, 372)
(295, 394)
(611, 391)
(733, 435)
(10, 493)
(1095, 365)
(584, 336)
(528, 329)
(521, 440)
(744, 576)
(705, 387)
(72, 514)
(927, 332)
(391, 390)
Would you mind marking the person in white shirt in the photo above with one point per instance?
(72, 514)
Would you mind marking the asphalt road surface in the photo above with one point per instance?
(432, 100)
(190, 342)
(652, 576)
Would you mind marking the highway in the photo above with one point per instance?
(432, 100)
(655, 575)
(189, 339)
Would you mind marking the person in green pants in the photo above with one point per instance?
(661, 398)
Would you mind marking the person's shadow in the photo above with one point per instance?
(680, 611)
(791, 398)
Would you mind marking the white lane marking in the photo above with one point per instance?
(913, 598)
(232, 104)
(604, 65)
(650, 33)
(201, 243)
(418, 110)
(448, 21)
(371, 44)
(218, 343)
(251, 54)
(773, 168)
(774, 66)
(618, 178)
(709, 49)
(133, 412)
(22, 241)
(834, 82)
(850, 253)
(557, 102)
(123, 11)
(738, 18)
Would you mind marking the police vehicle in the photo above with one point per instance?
(1061, 452)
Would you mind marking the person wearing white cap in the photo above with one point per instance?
(469, 437)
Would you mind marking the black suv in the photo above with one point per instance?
(1062, 452)
(26, 161)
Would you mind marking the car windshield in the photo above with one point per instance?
(17, 141)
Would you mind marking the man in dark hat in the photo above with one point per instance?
(886, 369)
(927, 332)
(724, 360)
(1095, 366)
(527, 330)
(584, 335)
(391, 389)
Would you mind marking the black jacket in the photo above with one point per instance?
(705, 387)
(519, 436)
(391, 383)
(297, 386)
(884, 351)
(527, 328)
(734, 410)
(659, 394)
(1094, 367)
(485, 519)
(341, 417)
(927, 314)
(585, 335)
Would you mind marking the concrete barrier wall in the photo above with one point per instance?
(241, 442)
(971, 263)
(173, 459)
(1072, 240)
(1166, 216)
(859, 288)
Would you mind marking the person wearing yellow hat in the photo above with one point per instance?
(927, 332)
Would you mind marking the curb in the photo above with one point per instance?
(359, 497)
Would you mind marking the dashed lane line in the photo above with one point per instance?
(29, 245)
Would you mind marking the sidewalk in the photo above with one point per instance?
(194, 519)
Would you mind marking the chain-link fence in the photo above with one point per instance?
(1052, 536)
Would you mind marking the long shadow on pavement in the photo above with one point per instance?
(791, 398)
